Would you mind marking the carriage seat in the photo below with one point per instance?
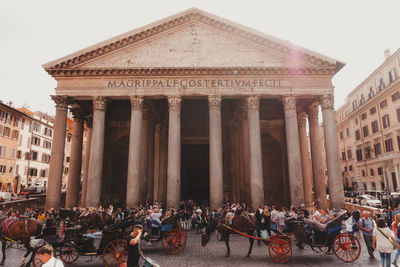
(316, 226)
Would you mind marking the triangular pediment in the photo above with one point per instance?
(193, 39)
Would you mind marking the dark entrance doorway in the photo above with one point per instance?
(195, 172)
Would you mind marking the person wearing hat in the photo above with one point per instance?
(134, 246)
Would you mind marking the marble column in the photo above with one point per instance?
(75, 165)
(96, 152)
(174, 152)
(293, 151)
(256, 168)
(305, 161)
(150, 171)
(86, 163)
(216, 171)
(162, 190)
(335, 183)
(245, 159)
(317, 157)
(53, 196)
(156, 166)
(144, 156)
(396, 170)
(135, 143)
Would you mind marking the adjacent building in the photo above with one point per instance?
(368, 129)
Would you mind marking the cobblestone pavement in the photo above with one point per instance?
(213, 254)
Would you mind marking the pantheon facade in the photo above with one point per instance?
(194, 106)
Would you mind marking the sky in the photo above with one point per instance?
(35, 32)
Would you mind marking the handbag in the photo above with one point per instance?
(380, 231)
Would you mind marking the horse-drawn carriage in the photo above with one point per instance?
(171, 234)
(321, 238)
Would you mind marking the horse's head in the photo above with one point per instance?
(205, 237)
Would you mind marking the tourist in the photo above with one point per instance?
(384, 241)
(280, 220)
(367, 228)
(134, 246)
(46, 255)
(396, 232)
(266, 220)
(323, 217)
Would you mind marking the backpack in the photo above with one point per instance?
(356, 227)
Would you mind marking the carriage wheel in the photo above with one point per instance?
(36, 262)
(115, 253)
(347, 247)
(174, 242)
(68, 252)
(280, 249)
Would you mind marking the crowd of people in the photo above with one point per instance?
(378, 229)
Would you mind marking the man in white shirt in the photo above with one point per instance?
(46, 256)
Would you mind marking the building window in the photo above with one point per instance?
(35, 141)
(389, 145)
(363, 116)
(36, 127)
(368, 152)
(67, 159)
(2, 115)
(68, 138)
(377, 148)
(350, 167)
(3, 151)
(8, 118)
(15, 134)
(373, 185)
(371, 93)
(374, 126)
(383, 104)
(354, 104)
(349, 154)
(362, 100)
(343, 155)
(372, 111)
(13, 151)
(358, 135)
(381, 84)
(66, 170)
(347, 132)
(392, 75)
(395, 96)
(359, 155)
(6, 131)
(365, 131)
(363, 173)
(356, 120)
(380, 170)
(16, 121)
(22, 123)
(341, 135)
(34, 155)
(345, 168)
(32, 172)
(385, 121)
(45, 158)
(371, 172)
(3, 168)
(46, 144)
(48, 131)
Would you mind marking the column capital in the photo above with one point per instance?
(174, 103)
(62, 101)
(301, 119)
(327, 101)
(78, 113)
(136, 102)
(313, 110)
(100, 103)
(89, 120)
(289, 103)
(214, 102)
(253, 102)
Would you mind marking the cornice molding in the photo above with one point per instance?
(150, 72)
(184, 19)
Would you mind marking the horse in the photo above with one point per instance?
(20, 230)
(242, 223)
(98, 219)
